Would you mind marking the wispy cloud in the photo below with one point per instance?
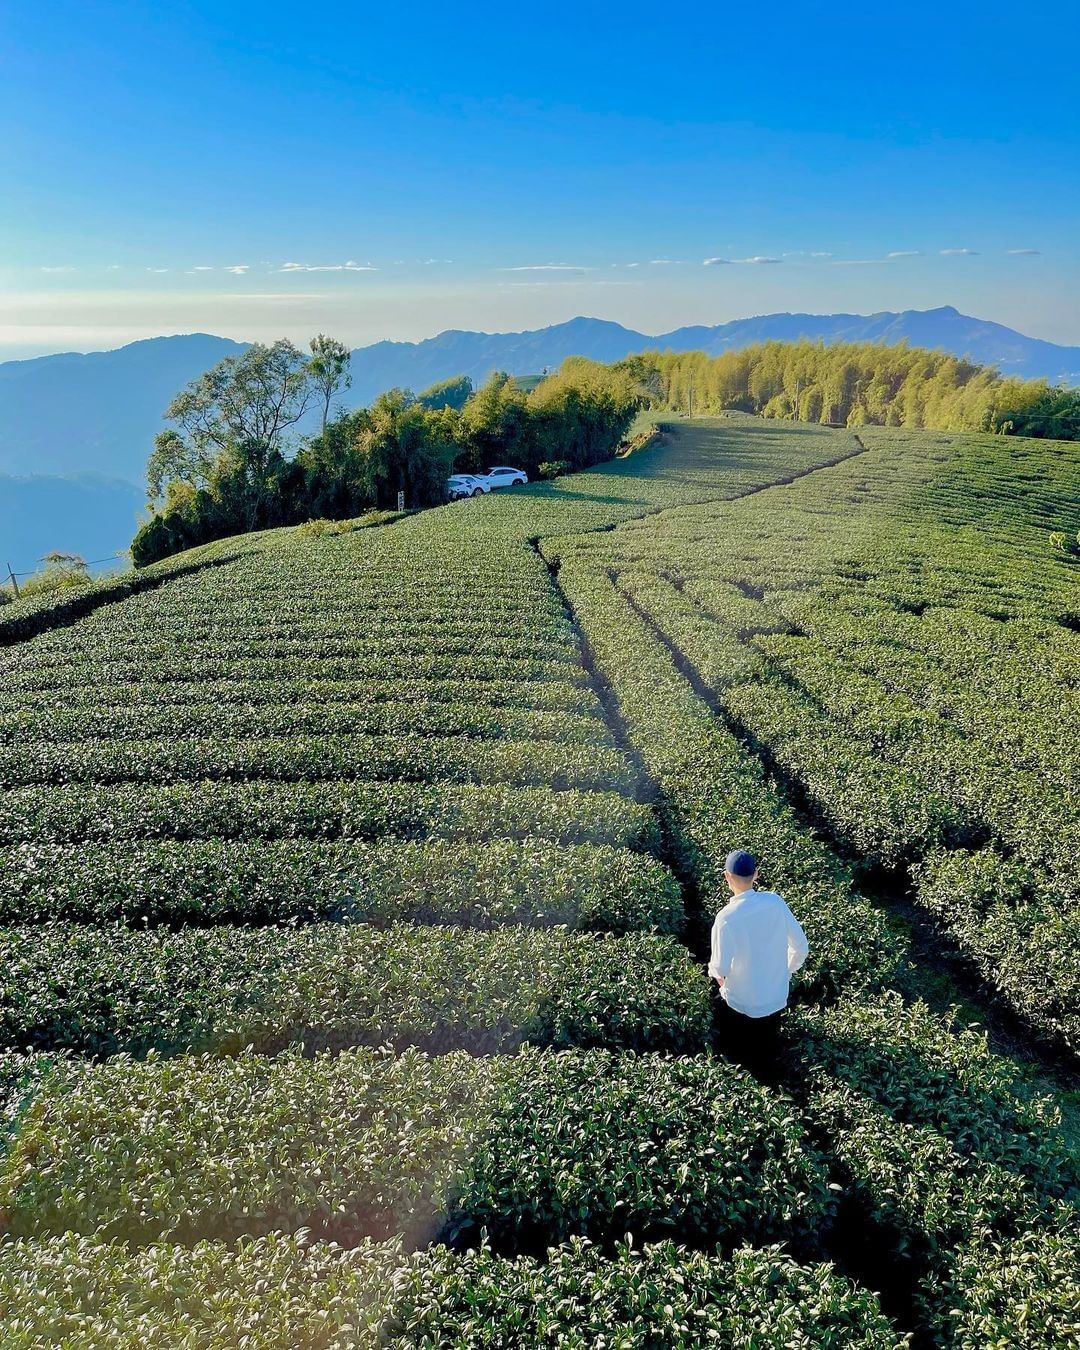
(54, 270)
(238, 269)
(757, 260)
(349, 266)
(430, 262)
(203, 268)
(158, 270)
(1022, 252)
(666, 262)
(959, 252)
(904, 253)
(546, 267)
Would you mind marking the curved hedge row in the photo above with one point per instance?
(534, 1147)
(714, 797)
(209, 881)
(74, 721)
(1017, 929)
(312, 759)
(312, 647)
(102, 991)
(72, 813)
(225, 692)
(264, 1293)
(178, 668)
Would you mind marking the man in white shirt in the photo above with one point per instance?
(757, 944)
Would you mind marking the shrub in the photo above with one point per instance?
(266, 1292)
(311, 759)
(534, 1147)
(553, 468)
(210, 881)
(320, 811)
(1000, 1294)
(101, 991)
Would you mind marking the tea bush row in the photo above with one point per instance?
(967, 1168)
(135, 697)
(102, 991)
(73, 813)
(78, 721)
(271, 881)
(1017, 929)
(534, 1147)
(714, 797)
(266, 1292)
(206, 669)
(319, 758)
(310, 649)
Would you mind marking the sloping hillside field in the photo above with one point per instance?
(355, 890)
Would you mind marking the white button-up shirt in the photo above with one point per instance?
(757, 944)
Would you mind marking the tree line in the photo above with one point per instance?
(232, 459)
(857, 384)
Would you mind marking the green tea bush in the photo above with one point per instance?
(942, 1140)
(534, 1147)
(714, 797)
(317, 758)
(73, 813)
(1016, 929)
(383, 664)
(75, 720)
(266, 1292)
(276, 697)
(998, 1295)
(103, 991)
(209, 881)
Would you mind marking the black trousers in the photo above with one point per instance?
(753, 1042)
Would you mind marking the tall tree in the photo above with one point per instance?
(329, 366)
(241, 408)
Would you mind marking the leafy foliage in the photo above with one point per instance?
(857, 384)
(201, 882)
(103, 991)
(263, 1292)
(534, 1147)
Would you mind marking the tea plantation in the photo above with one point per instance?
(354, 891)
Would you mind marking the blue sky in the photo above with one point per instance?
(373, 172)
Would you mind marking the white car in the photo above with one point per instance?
(466, 485)
(501, 476)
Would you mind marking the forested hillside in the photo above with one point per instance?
(858, 384)
(356, 889)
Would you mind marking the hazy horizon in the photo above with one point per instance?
(301, 334)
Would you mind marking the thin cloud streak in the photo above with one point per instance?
(547, 267)
(757, 261)
(349, 266)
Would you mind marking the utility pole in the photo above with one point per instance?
(14, 581)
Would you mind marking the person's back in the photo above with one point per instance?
(757, 945)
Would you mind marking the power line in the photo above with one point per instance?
(94, 562)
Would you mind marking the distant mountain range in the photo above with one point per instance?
(98, 413)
